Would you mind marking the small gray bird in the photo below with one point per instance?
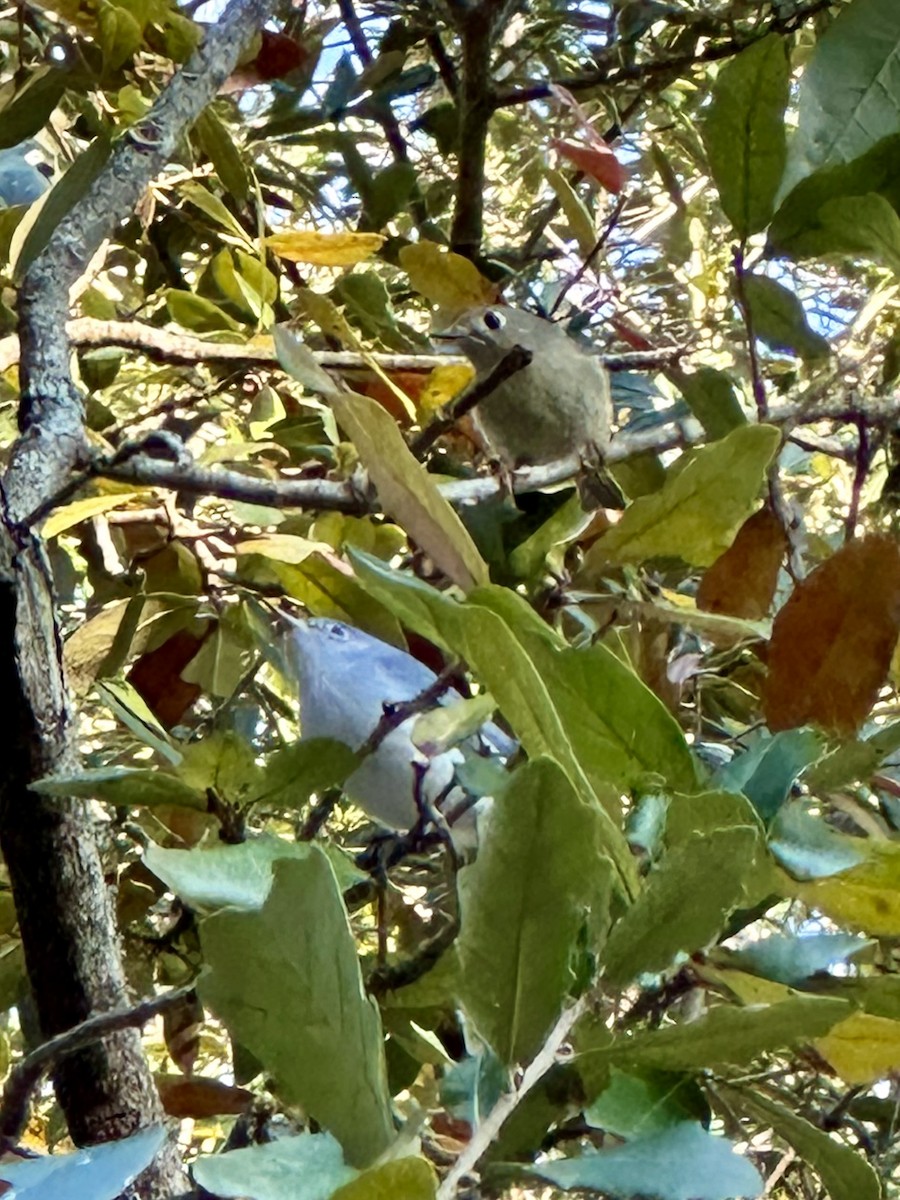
(21, 180)
(346, 677)
(557, 406)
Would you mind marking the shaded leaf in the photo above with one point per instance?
(779, 320)
(522, 904)
(794, 958)
(126, 786)
(308, 1167)
(681, 1163)
(711, 398)
(674, 911)
(850, 90)
(744, 132)
(200, 1098)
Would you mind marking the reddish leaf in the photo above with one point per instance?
(156, 676)
(832, 642)
(741, 582)
(597, 160)
(200, 1098)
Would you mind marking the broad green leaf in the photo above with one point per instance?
(197, 313)
(744, 132)
(843, 1170)
(711, 398)
(795, 227)
(129, 787)
(779, 320)
(29, 111)
(286, 982)
(700, 507)
(120, 35)
(684, 903)
(850, 90)
(728, 1035)
(100, 1172)
(809, 847)
(308, 1167)
(130, 708)
(407, 491)
(292, 774)
(793, 958)
(681, 1163)
(217, 211)
(225, 761)
(388, 192)
(222, 876)
(522, 904)
(634, 1105)
(769, 766)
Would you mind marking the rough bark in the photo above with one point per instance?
(63, 904)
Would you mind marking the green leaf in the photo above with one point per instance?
(407, 491)
(197, 313)
(581, 223)
(744, 132)
(849, 92)
(387, 193)
(213, 208)
(795, 228)
(681, 1163)
(779, 320)
(218, 145)
(522, 904)
(225, 761)
(129, 787)
(769, 766)
(710, 396)
(286, 982)
(729, 1035)
(684, 903)
(120, 35)
(699, 509)
(29, 111)
(792, 959)
(634, 1105)
(292, 774)
(843, 1170)
(308, 1167)
(221, 876)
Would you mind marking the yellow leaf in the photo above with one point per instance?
(445, 278)
(82, 510)
(442, 385)
(865, 897)
(284, 547)
(862, 1048)
(403, 1179)
(325, 249)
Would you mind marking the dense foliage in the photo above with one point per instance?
(668, 969)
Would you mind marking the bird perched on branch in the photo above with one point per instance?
(558, 405)
(346, 678)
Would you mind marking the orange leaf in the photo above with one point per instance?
(598, 161)
(741, 582)
(832, 642)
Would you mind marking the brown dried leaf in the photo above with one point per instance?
(200, 1098)
(832, 642)
(741, 582)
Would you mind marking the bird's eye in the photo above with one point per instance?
(494, 319)
(340, 632)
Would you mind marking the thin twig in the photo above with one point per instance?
(513, 361)
(484, 1136)
(26, 1075)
